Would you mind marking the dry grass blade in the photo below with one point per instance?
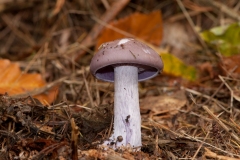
(221, 104)
(27, 38)
(221, 6)
(222, 125)
(200, 147)
(74, 139)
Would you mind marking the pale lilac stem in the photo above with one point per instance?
(127, 118)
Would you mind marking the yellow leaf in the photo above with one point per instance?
(174, 66)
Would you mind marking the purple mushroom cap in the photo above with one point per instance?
(125, 51)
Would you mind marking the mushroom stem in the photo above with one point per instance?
(127, 118)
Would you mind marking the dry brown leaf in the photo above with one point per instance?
(232, 64)
(147, 27)
(45, 128)
(164, 104)
(13, 82)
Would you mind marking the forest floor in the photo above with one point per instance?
(182, 118)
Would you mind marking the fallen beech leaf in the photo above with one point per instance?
(13, 82)
(167, 105)
(147, 27)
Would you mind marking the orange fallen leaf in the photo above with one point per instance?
(14, 82)
(147, 27)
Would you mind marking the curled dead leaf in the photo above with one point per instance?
(163, 104)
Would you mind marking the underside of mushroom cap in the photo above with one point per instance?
(127, 51)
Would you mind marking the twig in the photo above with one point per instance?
(191, 23)
(106, 4)
(237, 126)
(9, 21)
(220, 6)
(216, 119)
(112, 27)
(222, 84)
(181, 16)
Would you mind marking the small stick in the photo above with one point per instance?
(191, 23)
(228, 11)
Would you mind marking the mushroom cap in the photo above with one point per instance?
(127, 51)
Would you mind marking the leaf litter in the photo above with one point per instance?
(201, 122)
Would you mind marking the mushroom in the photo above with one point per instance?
(125, 62)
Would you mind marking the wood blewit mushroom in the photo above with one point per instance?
(125, 62)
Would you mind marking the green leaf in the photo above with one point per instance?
(225, 39)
